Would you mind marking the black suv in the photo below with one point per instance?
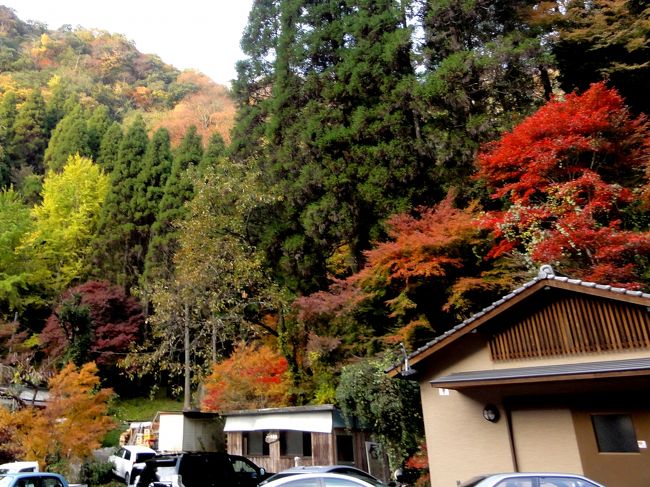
(200, 469)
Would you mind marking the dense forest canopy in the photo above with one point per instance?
(378, 171)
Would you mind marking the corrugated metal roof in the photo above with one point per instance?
(546, 273)
(588, 368)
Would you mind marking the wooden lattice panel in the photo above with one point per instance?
(574, 325)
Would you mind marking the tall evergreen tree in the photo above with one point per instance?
(61, 94)
(69, 137)
(215, 150)
(255, 78)
(605, 39)
(109, 147)
(7, 118)
(30, 134)
(117, 255)
(339, 130)
(178, 190)
(98, 124)
(150, 186)
(485, 65)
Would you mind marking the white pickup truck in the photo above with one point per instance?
(17, 467)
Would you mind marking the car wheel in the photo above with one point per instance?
(126, 478)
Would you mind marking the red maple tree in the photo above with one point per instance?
(254, 376)
(116, 322)
(567, 173)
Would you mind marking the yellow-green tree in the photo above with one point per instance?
(65, 222)
(71, 425)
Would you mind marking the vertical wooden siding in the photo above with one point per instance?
(574, 325)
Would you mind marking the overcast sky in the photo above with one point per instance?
(197, 34)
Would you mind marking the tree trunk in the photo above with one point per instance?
(187, 395)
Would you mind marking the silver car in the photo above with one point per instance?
(318, 480)
(531, 479)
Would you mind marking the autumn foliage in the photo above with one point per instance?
(116, 322)
(412, 275)
(71, 425)
(568, 173)
(254, 376)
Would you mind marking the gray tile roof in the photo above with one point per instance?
(639, 364)
(545, 273)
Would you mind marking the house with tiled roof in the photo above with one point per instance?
(555, 376)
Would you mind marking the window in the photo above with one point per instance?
(295, 443)
(344, 449)
(303, 483)
(564, 482)
(144, 456)
(254, 443)
(242, 465)
(516, 482)
(339, 483)
(615, 433)
(51, 482)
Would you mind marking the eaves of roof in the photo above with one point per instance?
(545, 278)
(545, 373)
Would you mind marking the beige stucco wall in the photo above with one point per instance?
(545, 441)
(461, 444)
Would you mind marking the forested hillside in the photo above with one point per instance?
(393, 167)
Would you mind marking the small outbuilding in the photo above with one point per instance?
(554, 376)
(280, 438)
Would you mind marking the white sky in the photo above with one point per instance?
(197, 34)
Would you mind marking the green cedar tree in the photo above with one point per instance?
(69, 137)
(118, 252)
(109, 147)
(30, 134)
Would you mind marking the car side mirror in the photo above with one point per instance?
(262, 471)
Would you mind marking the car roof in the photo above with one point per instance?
(319, 469)
(306, 476)
(139, 448)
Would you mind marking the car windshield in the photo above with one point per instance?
(5, 481)
(359, 474)
(473, 481)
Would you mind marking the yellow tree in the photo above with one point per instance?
(65, 223)
(69, 428)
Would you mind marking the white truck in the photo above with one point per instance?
(17, 467)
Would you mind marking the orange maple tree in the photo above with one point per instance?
(69, 428)
(254, 376)
(417, 275)
(568, 173)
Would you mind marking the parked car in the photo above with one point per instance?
(531, 479)
(125, 457)
(322, 479)
(200, 469)
(15, 467)
(338, 469)
(32, 479)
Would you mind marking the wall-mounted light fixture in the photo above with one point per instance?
(491, 413)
